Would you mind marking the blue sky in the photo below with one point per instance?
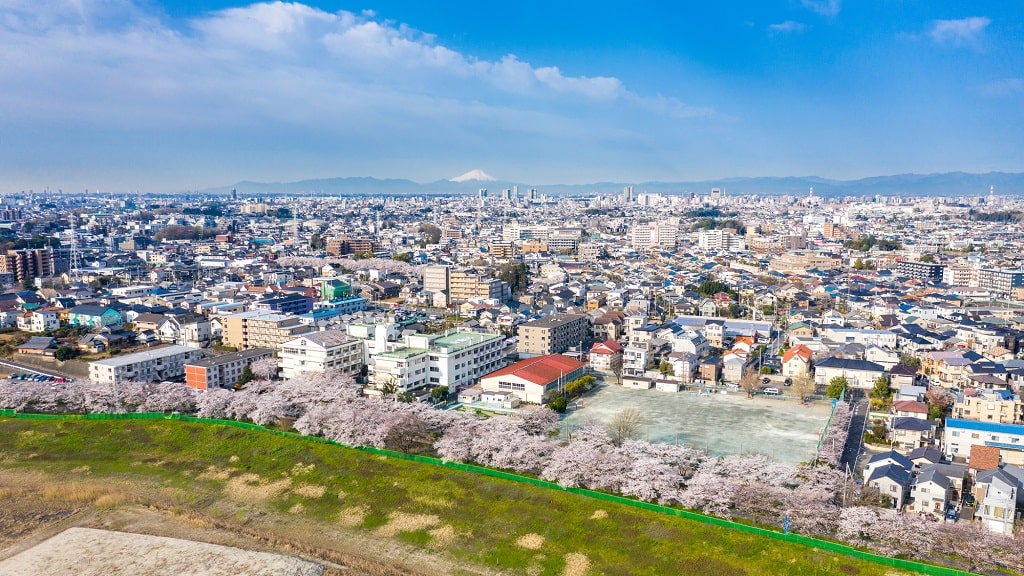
(145, 95)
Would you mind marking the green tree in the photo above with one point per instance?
(403, 257)
(245, 377)
(837, 387)
(910, 360)
(439, 393)
(928, 258)
(64, 354)
(431, 233)
(666, 368)
(559, 404)
(516, 275)
(317, 242)
(881, 394)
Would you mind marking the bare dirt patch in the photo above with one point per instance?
(576, 564)
(250, 488)
(530, 541)
(88, 552)
(404, 522)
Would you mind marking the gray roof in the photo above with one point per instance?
(233, 356)
(893, 472)
(933, 475)
(850, 364)
(152, 353)
(894, 456)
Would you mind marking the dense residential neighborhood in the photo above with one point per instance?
(908, 313)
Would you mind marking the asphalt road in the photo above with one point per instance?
(18, 367)
(855, 442)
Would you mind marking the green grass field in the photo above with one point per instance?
(471, 518)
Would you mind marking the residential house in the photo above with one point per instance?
(996, 493)
(858, 373)
(606, 357)
(39, 321)
(930, 494)
(909, 432)
(891, 480)
(154, 364)
(684, 365)
(910, 409)
(93, 316)
(796, 362)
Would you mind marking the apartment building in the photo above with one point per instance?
(260, 329)
(222, 371)
(1000, 406)
(330, 350)
(553, 334)
(1001, 282)
(456, 360)
(663, 234)
(155, 364)
(471, 284)
(927, 271)
(27, 264)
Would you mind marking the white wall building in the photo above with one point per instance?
(155, 364)
(456, 360)
(330, 350)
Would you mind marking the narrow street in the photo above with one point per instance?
(855, 442)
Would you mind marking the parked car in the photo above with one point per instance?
(787, 382)
(772, 391)
(766, 380)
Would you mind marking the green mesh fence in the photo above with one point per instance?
(801, 539)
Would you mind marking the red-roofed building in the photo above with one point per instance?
(606, 356)
(796, 361)
(910, 408)
(533, 379)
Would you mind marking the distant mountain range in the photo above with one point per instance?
(947, 184)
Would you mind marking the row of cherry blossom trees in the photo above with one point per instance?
(746, 486)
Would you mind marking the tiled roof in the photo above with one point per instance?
(540, 369)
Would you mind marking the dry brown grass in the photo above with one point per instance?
(442, 503)
(576, 564)
(250, 488)
(353, 516)
(442, 537)
(530, 541)
(76, 492)
(310, 491)
(214, 473)
(599, 515)
(405, 522)
(108, 501)
(297, 509)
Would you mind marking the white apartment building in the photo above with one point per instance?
(155, 364)
(456, 360)
(720, 240)
(329, 350)
(656, 235)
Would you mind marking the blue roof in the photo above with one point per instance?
(984, 426)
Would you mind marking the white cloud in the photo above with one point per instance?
(786, 27)
(823, 7)
(288, 70)
(962, 31)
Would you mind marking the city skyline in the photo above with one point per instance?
(158, 97)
